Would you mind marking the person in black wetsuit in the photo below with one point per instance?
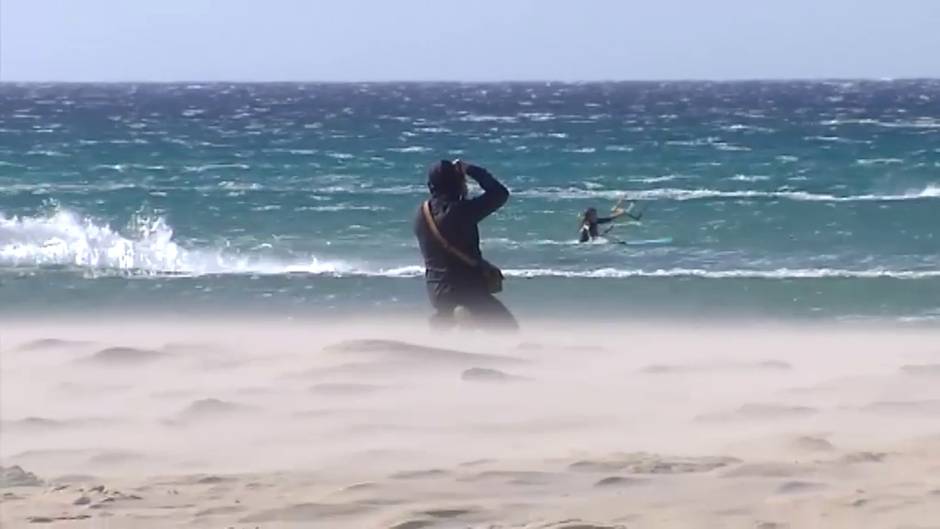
(451, 283)
(590, 221)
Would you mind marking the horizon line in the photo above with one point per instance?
(504, 81)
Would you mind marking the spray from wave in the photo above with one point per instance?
(63, 238)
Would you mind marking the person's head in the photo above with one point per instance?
(445, 179)
(590, 215)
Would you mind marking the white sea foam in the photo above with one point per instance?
(928, 192)
(239, 186)
(582, 150)
(46, 152)
(722, 146)
(341, 207)
(537, 116)
(915, 123)
(411, 149)
(878, 161)
(780, 273)
(749, 178)
(215, 166)
(434, 130)
(740, 126)
(664, 178)
(482, 118)
(65, 187)
(837, 139)
(63, 238)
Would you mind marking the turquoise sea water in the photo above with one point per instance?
(767, 199)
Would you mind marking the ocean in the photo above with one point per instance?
(770, 200)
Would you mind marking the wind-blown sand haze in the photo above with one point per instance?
(253, 422)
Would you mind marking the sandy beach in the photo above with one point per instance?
(259, 423)
(228, 227)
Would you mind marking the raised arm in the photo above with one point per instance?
(493, 197)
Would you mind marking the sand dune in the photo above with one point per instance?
(922, 369)
(767, 412)
(929, 407)
(482, 374)
(305, 424)
(769, 365)
(51, 344)
(394, 349)
(340, 388)
(117, 356)
(210, 409)
(643, 463)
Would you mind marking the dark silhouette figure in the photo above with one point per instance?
(455, 280)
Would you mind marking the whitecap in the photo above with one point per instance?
(722, 146)
(239, 186)
(537, 116)
(749, 178)
(215, 166)
(878, 161)
(742, 127)
(483, 118)
(341, 207)
(46, 152)
(658, 179)
(410, 149)
(556, 193)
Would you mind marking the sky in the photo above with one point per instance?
(478, 40)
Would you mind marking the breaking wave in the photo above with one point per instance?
(930, 191)
(64, 239)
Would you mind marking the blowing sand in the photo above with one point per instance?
(253, 423)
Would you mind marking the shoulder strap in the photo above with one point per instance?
(426, 210)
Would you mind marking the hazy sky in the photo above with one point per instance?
(329, 40)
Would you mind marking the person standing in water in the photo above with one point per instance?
(446, 228)
(590, 221)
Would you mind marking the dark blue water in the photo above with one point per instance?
(781, 199)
